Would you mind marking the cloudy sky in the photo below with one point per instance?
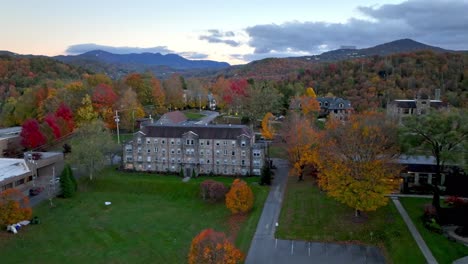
(233, 31)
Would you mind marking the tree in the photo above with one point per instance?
(356, 164)
(260, 98)
(302, 140)
(86, 114)
(240, 197)
(443, 134)
(131, 109)
(14, 207)
(266, 175)
(104, 99)
(267, 129)
(211, 247)
(67, 182)
(31, 135)
(65, 119)
(51, 121)
(90, 146)
(213, 191)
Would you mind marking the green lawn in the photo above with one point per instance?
(277, 151)
(308, 214)
(152, 219)
(444, 250)
(193, 115)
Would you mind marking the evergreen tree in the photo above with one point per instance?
(72, 177)
(66, 183)
(266, 175)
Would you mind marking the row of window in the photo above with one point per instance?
(201, 161)
(17, 183)
(202, 170)
(192, 142)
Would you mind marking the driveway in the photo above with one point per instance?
(266, 249)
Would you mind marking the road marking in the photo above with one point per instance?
(276, 242)
(292, 247)
(309, 248)
(266, 226)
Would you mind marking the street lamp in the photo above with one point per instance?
(117, 120)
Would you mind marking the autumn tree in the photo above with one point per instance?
(267, 129)
(442, 134)
(65, 119)
(357, 161)
(240, 197)
(173, 89)
(302, 139)
(260, 98)
(213, 191)
(211, 247)
(31, 135)
(14, 207)
(91, 146)
(219, 88)
(131, 109)
(104, 99)
(86, 113)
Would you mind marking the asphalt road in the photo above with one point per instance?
(266, 249)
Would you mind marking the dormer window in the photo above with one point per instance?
(341, 105)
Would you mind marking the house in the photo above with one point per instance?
(334, 107)
(172, 118)
(195, 149)
(330, 107)
(398, 109)
(36, 168)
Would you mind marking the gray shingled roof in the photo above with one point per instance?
(333, 103)
(203, 131)
(412, 103)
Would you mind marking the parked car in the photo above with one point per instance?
(35, 191)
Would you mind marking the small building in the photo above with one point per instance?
(35, 168)
(195, 149)
(10, 141)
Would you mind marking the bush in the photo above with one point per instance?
(455, 201)
(14, 207)
(213, 191)
(210, 246)
(67, 182)
(240, 197)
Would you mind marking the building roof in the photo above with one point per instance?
(203, 131)
(174, 117)
(412, 103)
(333, 103)
(12, 167)
(10, 132)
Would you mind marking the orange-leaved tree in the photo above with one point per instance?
(14, 207)
(267, 129)
(357, 161)
(211, 247)
(302, 140)
(240, 197)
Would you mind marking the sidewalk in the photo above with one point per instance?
(414, 232)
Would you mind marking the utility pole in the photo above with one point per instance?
(117, 120)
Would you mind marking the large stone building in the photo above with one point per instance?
(195, 149)
(399, 109)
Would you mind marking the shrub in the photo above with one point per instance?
(14, 207)
(240, 197)
(212, 191)
(212, 247)
(455, 201)
(67, 184)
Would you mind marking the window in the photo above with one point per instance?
(225, 161)
(163, 160)
(140, 158)
(201, 152)
(217, 143)
(172, 151)
(148, 141)
(202, 161)
(164, 151)
(148, 150)
(233, 162)
(139, 149)
(19, 182)
(129, 159)
(207, 161)
(172, 142)
(207, 142)
(178, 142)
(243, 144)
(217, 162)
(225, 152)
(187, 142)
(178, 160)
(172, 161)
(201, 142)
(163, 141)
(256, 163)
(256, 153)
(148, 159)
(233, 143)
(225, 142)
(243, 153)
(139, 140)
(149, 166)
(341, 105)
(243, 162)
(233, 153)
(217, 152)
(155, 149)
(155, 141)
(178, 151)
(128, 148)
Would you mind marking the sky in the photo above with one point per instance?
(233, 31)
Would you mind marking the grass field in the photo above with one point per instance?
(193, 115)
(277, 151)
(308, 214)
(152, 219)
(444, 250)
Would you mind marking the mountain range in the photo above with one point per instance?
(118, 65)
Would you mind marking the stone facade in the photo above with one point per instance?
(195, 149)
(399, 109)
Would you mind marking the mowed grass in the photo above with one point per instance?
(152, 219)
(277, 151)
(308, 214)
(444, 250)
(192, 115)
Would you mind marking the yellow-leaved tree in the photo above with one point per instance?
(211, 247)
(356, 161)
(267, 129)
(240, 197)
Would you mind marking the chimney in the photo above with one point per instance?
(437, 94)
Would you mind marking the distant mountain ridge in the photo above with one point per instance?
(148, 59)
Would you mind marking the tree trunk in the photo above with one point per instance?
(357, 213)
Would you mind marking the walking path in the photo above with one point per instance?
(414, 232)
(266, 249)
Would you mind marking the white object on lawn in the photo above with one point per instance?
(107, 203)
(24, 223)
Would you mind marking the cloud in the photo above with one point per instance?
(82, 48)
(217, 36)
(439, 23)
(193, 55)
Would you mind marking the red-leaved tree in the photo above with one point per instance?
(211, 247)
(51, 121)
(31, 135)
(65, 119)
